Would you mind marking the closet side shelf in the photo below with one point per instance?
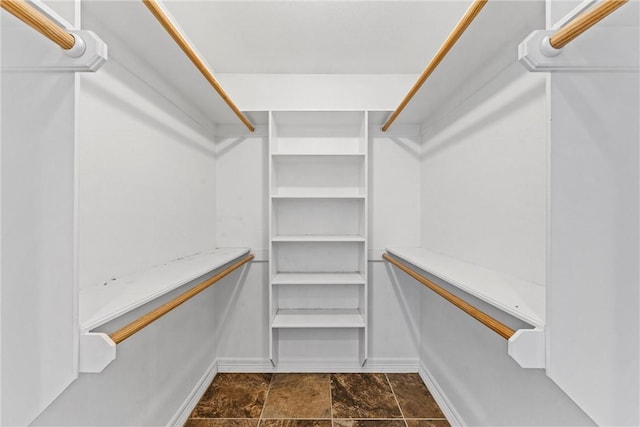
(519, 298)
(103, 303)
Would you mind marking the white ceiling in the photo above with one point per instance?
(317, 37)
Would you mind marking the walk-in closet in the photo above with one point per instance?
(320, 213)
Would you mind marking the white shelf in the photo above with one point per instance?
(318, 279)
(521, 299)
(103, 303)
(342, 238)
(337, 318)
(317, 194)
(306, 155)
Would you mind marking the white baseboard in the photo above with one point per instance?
(243, 365)
(440, 397)
(194, 397)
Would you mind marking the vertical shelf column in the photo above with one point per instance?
(318, 236)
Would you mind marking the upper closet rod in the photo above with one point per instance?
(162, 17)
(73, 45)
(459, 29)
(582, 23)
(493, 324)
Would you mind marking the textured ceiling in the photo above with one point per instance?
(317, 37)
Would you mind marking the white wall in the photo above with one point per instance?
(158, 372)
(484, 190)
(593, 294)
(38, 312)
(484, 177)
(146, 178)
(146, 195)
(262, 92)
(482, 384)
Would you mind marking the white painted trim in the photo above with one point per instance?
(182, 414)
(52, 14)
(374, 255)
(440, 397)
(586, 4)
(250, 365)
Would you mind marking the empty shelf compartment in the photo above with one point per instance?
(305, 278)
(308, 318)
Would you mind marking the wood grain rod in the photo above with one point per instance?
(175, 34)
(143, 321)
(40, 22)
(491, 323)
(459, 29)
(583, 22)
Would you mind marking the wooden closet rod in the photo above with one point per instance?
(459, 29)
(164, 20)
(491, 323)
(583, 22)
(40, 22)
(138, 324)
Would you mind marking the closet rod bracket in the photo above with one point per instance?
(97, 351)
(35, 53)
(600, 50)
(527, 348)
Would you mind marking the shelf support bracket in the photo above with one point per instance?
(527, 348)
(97, 351)
(601, 51)
(39, 54)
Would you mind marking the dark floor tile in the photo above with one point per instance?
(234, 396)
(295, 423)
(428, 423)
(220, 422)
(363, 396)
(368, 423)
(299, 396)
(413, 397)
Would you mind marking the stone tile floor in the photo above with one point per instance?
(317, 400)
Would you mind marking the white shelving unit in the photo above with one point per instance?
(318, 225)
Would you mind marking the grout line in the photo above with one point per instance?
(273, 377)
(331, 399)
(396, 398)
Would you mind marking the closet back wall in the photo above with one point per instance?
(242, 206)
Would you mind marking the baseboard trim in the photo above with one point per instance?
(440, 397)
(194, 397)
(264, 365)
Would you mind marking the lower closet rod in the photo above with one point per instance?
(491, 323)
(135, 326)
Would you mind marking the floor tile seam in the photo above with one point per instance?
(397, 401)
(331, 397)
(293, 418)
(375, 419)
(266, 396)
(222, 418)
